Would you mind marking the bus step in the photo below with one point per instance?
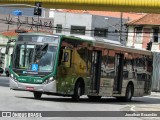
(115, 92)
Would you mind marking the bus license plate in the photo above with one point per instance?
(29, 88)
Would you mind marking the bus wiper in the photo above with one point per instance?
(44, 47)
(39, 52)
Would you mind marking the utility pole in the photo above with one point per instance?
(120, 32)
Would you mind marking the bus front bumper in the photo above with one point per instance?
(50, 87)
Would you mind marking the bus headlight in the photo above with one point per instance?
(14, 78)
(12, 75)
(49, 80)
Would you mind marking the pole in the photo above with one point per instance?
(9, 23)
(120, 33)
(18, 23)
(37, 23)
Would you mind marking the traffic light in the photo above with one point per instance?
(149, 46)
(38, 9)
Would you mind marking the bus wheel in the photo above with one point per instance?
(128, 95)
(94, 98)
(37, 95)
(77, 92)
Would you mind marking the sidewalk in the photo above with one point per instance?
(155, 94)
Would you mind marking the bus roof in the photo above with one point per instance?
(99, 42)
(93, 39)
(111, 44)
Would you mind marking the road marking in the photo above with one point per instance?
(152, 96)
(132, 108)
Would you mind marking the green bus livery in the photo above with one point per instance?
(79, 65)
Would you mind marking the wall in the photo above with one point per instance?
(110, 23)
(68, 19)
(147, 34)
(3, 43)
(91, 22)
(131, 34)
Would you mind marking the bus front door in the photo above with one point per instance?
(95, 71)
(119, 59)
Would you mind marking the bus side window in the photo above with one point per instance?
(66, 58)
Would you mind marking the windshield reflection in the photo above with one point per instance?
(34, 57)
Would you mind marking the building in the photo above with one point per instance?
(92, 23)
(5, 58)
(88, 23)
(9, 23)
(144, 30)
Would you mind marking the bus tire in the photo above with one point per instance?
(37, 95)
(128, 95)
(77, 91)
(94, 98)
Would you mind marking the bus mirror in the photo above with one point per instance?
(7, 48)
(11, 56)
(12, 40)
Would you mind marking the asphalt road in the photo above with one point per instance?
(11, 100)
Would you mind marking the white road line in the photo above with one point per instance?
(132, 108)
(152, 97)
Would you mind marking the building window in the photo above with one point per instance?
(155, 35)
(78, 30)
(100, 32)
(139, 35)
(59, 28)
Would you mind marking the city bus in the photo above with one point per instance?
(79, 65)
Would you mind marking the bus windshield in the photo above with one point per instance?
(34, 57)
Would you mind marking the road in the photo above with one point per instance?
(11, 100)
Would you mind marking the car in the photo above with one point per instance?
(7, 72)
(1, 70)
